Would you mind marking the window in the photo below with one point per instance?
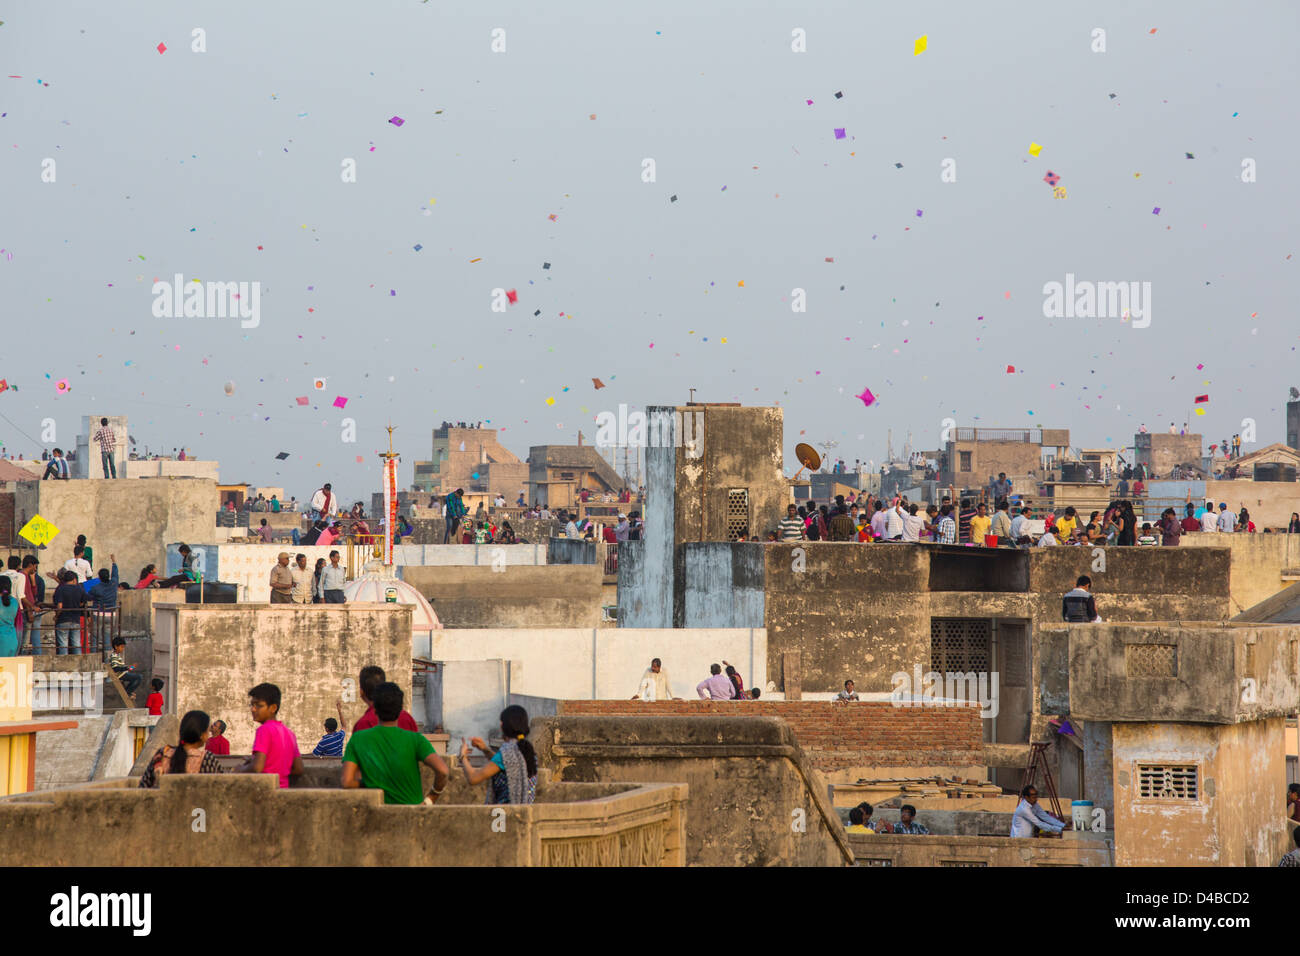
(874, 861)
(737, 513)
(963, 863)
(1167, 782)
(959, 646)
(965, 460)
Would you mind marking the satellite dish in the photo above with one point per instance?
(808, 458)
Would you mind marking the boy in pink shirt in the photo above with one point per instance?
(275, 748)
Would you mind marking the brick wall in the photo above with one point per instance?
(837, 736)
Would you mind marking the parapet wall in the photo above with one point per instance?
(755, 799)
(247, 820)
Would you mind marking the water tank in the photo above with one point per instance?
(1074, 471)
(1274, 471)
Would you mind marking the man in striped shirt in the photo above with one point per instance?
(791, 525)
(331, 745)
(107, 447)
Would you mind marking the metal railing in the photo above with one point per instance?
(1031, 436)
(92, 633)
(611, 557)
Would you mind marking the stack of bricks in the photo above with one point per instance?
(835, 735)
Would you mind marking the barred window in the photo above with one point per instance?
(965, 460)
(874, 861)
(963, 863)
(1168, 782)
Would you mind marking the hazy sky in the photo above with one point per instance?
(226, 166)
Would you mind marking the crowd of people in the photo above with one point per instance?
(866, 518)
(382, 751)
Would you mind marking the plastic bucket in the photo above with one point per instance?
(1081, 814)
(990, 541)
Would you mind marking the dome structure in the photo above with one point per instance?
(374, 585)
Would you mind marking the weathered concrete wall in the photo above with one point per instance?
(1161, 451)
(514, 596)
(161, 468)
(604, 663)
(1137, 584)
(1099, 766)
(837, 736)
(646, 573)
(1213, 674)
(1257, 563)
(852, 611)
(889, 850)
(133, 520)
(748, 778)
(119, 825)
(1236, 819)
(724, 584)
(1270, 503)
(466, 698)
(990, 458)
(313, 652)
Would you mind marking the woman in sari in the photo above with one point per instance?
(188, 756)
(511, 771)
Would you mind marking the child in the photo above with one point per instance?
(1147, 538)
(124, 671)
(275, 748)
(388, 758)
(155, 701)
(331, 745)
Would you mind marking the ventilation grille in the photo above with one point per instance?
(1168, 782)
(737, 513)
(1151, 661)
(960, 645)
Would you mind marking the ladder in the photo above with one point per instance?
(1037, 762)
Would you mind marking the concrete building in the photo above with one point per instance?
(973, 455)
(557, 473)
(132, 519)
(1186, 736)
(210, 655)
(1159, 452)
(723, 480)
(460, 454)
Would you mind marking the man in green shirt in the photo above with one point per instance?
(388, 758)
